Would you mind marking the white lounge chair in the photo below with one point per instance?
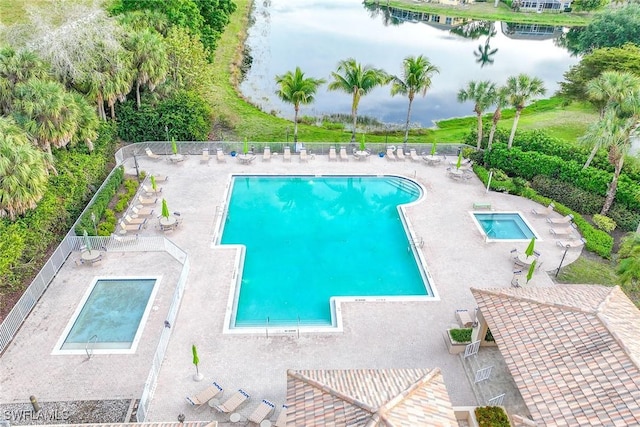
(205, 395)
(543, 212)
(160, 178)
(266, 155)
(414, 155)
(390, 155)
(130, 220)
(147, 201)
(281, 421)
(576, 243)
(400, 154)
(130, 227)
(343, 154)
(232, 403)
(141, 211)
(286, 154)
(304, 157)
(333, 156)
(220, 157)
(205, 156)
(262, 412)
(564, 220)
(565, 231)
(151, 154)
(150, 191)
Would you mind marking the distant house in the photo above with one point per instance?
(541, 5)
(530, 31)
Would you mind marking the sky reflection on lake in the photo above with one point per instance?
(316, 34)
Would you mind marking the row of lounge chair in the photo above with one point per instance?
(231, 404)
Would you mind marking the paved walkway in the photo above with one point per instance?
(376, 334)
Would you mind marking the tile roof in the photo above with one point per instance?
(573, 351)
(368, 397)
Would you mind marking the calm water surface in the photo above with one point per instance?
(316, 34)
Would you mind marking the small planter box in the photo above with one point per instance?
(452, 346)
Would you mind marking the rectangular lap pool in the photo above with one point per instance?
(309, 239)
(110, 317)
(502, 226)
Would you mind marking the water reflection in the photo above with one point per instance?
(316, 34)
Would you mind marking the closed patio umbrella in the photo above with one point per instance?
(530, 248)
(154, 186)
(87, 242)
(165, 209)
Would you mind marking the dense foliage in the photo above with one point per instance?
(612, 27)
(184, 116)
(461, 335)
(205, 19)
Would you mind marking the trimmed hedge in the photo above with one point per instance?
(492, 416)
(460, 335)
(530, 164)
(101, 202)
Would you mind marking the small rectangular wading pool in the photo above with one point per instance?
(503, 226)
(110, 317)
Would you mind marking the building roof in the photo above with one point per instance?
(368, 397)
(572, 350)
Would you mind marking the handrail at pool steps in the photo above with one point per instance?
(90, 344)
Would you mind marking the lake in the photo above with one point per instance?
(316, 34)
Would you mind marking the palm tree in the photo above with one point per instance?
(481, 93)
(23, 171)
(47, 112)
(629, 260)
(87, 130)
(16, 67)
(521, 89)
(416, 78)
(596, 135)
(499, 98)
(149, 63)
(351, 77)
(612, 89)
(297, 89)
(484, 54)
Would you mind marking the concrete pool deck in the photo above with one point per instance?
(376, 334)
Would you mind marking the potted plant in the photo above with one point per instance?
(492, 416)
(457, 339)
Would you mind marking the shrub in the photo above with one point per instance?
(491, 416)
(624, 218)
(604, 223)
(489, 336)
(460, 335)
(567, 194)
(101, 202)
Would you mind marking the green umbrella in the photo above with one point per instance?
(196, 359)
(174, 146)
(433, 150)
(153, 183)
(87, 242)
(531, 268)
(459, 159)
(362, 146)
(529, 250)
(245, 147)
(165, 209)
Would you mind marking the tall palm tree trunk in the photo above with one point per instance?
(101, 112)
(295, 123)
(591, 156)
(406, 127)
(479, 130)
(514, 127)
(138, 93)
(354, 114)
(613, 187)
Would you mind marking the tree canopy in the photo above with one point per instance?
(609, 28)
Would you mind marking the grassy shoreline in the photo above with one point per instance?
(486, 11)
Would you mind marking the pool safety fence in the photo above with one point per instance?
(158, 357)
(194, 148)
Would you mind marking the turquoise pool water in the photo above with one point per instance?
(310, 238)
(504, 226)
(112, 312)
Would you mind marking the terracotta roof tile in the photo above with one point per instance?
(573, 351)
(368, 397)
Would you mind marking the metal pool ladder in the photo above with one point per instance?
(89, 347)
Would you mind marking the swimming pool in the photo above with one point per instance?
(308, 239)
(504, 226)
(110, 316)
